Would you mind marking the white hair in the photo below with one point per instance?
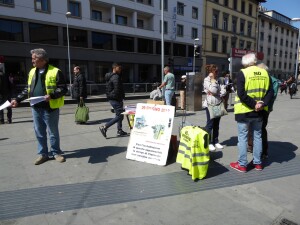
(263, 66)
(249, 60)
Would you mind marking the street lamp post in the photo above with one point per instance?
(297, 57)
(195, 53)
(68, 14)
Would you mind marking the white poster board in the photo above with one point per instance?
(150, 137)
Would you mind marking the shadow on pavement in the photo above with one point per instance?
(23, 121)
(280, 152)
(231, 142)
(2, 139)
(97, 155)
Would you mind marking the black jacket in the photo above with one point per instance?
(250, 101)
(61, 88)
(79, 86)
(5, 88)
(114, 87)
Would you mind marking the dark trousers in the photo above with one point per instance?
(212, 127)
(118, 108)
(9, 113)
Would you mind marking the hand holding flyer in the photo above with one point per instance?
(35, 100)
(5, 105)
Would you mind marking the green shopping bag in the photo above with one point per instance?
(82, 113)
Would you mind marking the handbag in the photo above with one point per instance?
(216, 111)
(82, 113)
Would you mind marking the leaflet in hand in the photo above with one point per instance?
(5, 105)
(35, 100)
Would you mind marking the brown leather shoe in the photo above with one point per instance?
(41, 159)
(59, 158)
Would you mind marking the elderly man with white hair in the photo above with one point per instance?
(254, 92)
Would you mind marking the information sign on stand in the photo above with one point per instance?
(150, 137)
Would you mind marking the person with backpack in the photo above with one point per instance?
(115, 94)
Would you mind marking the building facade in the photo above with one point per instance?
(278, 39)
(100, 33)
(228, 24)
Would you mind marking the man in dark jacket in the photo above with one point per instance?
(5, 94)
(79, 85)
(115, 94)
(48, 83)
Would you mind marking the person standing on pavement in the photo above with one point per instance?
(169, 83)
(48, 81)
(5, 94)
(182, 91)
(115, 94)
(79, 89)
(254, 92)
(213, 97)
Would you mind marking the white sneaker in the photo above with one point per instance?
(211, 148)
(219, 146)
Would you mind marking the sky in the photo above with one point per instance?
(289, 8)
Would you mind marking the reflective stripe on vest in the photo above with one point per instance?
(50, 84)
(257, 83)
(193, 153)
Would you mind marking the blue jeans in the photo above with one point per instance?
(168, 96)
(45, 120)
(212, 127)
(118, 107)
(256, 124)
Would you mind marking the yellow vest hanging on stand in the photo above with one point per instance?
(193, 152)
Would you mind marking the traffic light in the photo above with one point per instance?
(170, 61)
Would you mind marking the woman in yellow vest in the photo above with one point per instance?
(46, 81)
(254, 92)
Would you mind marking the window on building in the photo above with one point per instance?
(7, 2)
(243, 6)
(102, 41)
(180, 8)
(179, 50)
(234, 24)
(225, 22)
(270, 26)
(291, 55)
(75, 8)
(249, 45)
(250, 9)
(194, 13)
(42, 33)
(145, 46)
(249, 29)
(165, 5)
(262, 36)
(96, 15)
(167, 47)
(274, 64)
(77, 38)
(276, 40)
(292, 44)
(125, 43)
(180, 31)
(287, 32)
(280, 53)
(275, 52)
(242, 44)
(279, 67)
(233, 42)
(262, 23)
(292, 33)
(290, 66)
(214, 42)
(261, 48)
(165, 27)
(269, 51)
(121, 20)
(11, 30)
(42, 5)
(215, 19)
(286, 43)
(281, 41)
(140, 23)
(284, 65)
(235, 4)
(282, 30)
(226, 3)
(269, 38)
(224, 44)
(242, 27)
(194, 33)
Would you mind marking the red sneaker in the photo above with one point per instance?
(236, 166)
(258, 167)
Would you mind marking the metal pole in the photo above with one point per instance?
(297, 59)
(69, 60)
(194, 60)
(162, 41)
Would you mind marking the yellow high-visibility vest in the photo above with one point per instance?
(257, 83)
(50, 84)
(193, 152)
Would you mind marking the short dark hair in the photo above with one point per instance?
(115, 65)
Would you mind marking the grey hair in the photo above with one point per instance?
(167, 68)
(40, 53)
(249, 60)
(263, 66)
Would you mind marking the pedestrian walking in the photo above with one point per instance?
(115, 94)
(79, 88)
(5, 94)
(254, 92)
(169, 83)
(47, 81)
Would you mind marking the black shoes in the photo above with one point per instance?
(122, 133)
(103, 131)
